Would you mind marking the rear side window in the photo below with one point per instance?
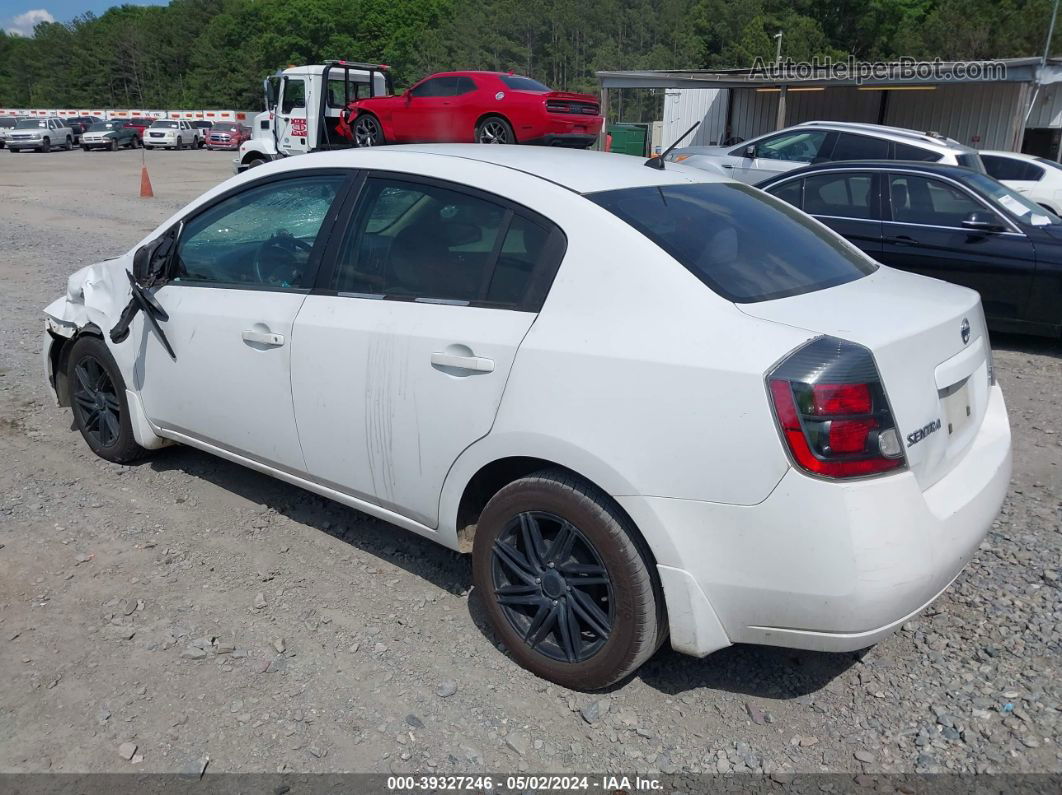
(847, 195)
(1002, 168)
(425, 242)
(859, 147)
(717, 232)
(517, 83)
(908, 152)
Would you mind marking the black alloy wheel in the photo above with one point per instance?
(96, 402)
(552, 586)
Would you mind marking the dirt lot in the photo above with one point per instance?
(195, 609)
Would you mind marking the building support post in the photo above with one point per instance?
(779, 121)
(602, 137)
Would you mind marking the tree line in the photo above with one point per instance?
(215, 53)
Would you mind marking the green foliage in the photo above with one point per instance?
(215, 53)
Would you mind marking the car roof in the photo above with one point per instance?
(943, 169)
(1015, 155)
(581, 171)
(890, 133)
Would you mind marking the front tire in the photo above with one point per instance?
(368, 131)
(566, 581)
(47, 145)
(97, 397)
(114, 144)
(495, 130)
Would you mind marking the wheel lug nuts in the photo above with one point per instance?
(538, 580)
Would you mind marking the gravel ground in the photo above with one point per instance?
(157, 614)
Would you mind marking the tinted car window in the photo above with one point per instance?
(419, 241)
(8, 122)
(260, 237)
(920, 200)
(716, 231)
(859, 147)
(429, 88)
(518, 83)
(790, 192)
(801, 146)
(908, 152)
(1001, 168)
(840, 195)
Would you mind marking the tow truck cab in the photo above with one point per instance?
(303, 106)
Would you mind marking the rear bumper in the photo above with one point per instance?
(572, 140)
(826, 566)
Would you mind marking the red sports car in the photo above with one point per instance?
(483, 107)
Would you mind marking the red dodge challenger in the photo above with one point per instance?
(484, 107)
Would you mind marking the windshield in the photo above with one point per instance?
(102, 126)
(31, 124)
(718, 232)
(1024, 209)
(517, 83)
(224, 126)
(164, 124)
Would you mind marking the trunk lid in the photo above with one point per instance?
(931, 348)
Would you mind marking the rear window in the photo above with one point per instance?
(908, 152)
(517, 83)
(743, 244)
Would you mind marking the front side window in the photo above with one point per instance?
(716, 231)
(921, 200)
(419, 241)
(848, 195)
(801, 146)
(261, 237)
(429, 88)
(294, 95)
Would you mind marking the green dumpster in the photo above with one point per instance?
(629, 139)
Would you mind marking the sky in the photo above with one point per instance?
(19, 16)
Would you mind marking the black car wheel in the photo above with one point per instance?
(97, 396)
(565, 581)
(46, 146)
(114, 144)
(367, 131)
(494, 130)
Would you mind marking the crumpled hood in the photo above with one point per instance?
(95, 294)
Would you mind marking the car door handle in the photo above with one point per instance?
(263, 338)
(475, 364)
(727, 165)
(902, 240)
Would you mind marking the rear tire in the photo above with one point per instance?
(97, 398)
(566, 581)
(494, 130)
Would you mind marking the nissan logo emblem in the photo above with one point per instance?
(964, 330)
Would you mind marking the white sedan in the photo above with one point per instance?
(1037, 178)
(648, 402)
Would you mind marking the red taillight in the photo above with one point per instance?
(833, 412)
(841, 398)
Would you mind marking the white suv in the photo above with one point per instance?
(824, 141)
(647, 401)
(40, 135)
(171, 134)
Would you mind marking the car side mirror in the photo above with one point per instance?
(980, 221)
(150, 261)
(750, 151)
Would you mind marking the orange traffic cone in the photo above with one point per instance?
(145, 184)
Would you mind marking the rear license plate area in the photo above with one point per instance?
(957, 406)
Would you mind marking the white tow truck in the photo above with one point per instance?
(304, 105)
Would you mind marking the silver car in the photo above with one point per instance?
(757, 159)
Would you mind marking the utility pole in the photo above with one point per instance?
(778, 39)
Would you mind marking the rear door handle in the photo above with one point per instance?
(902, 240)
(475, 364)
(263, 338)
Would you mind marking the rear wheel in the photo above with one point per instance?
(97, 397)
(565, 581)
(368, 131)
(495, 130)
